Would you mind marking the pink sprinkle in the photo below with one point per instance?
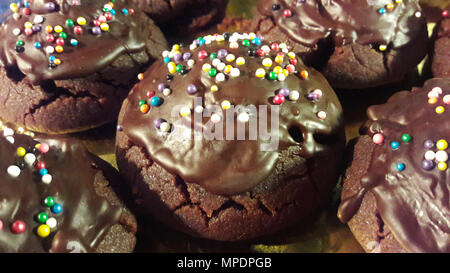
(234, 45)
(378, 138)
(1, 225)
(318, 92)
(446, 99)
(433, 94)
(265, 49)
(44, 148)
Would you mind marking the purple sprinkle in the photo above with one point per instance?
(36, 28)
(284, 92)
(222, 53)
(313, 96)
(119, 128)
(177, 57)
(196, 42)
(191, 89)
(161, 87)
(186, 56)
(428, 144)
(300, 2)
(157, 122)
(96, 31)
(51, 6)
(427, 164)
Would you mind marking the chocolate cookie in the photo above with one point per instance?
(66, 66)
(184, 16)
(57, 197)
(441, 56)
(395, 194)
(189, 146)
(354, 44)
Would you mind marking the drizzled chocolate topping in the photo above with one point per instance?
(408, 173)
(224, 71)
(95, 48)
(85, 218)
(377, 22)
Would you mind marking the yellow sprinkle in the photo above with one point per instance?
(214, 88)
(291, 55)
(21, 151)
(279, 59)
(267, 62)
(442, 166)
(240, 61)
(206, 67)
(28, 25)
(260, 73)
(81, 21)
(382, 47)
(286, 72)
(227, 69)
(230, 58)
(172, 67)
(440, 109)
(104, 27)
(278, 69)
(226, 104)
(59, 49)
(58, 29)
(176, 47)
(442, 144)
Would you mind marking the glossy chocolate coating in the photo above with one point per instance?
(230, 166)
(93, 53)
(414, 203)
(86, 216)
(346, 21)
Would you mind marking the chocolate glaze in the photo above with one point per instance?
(346, 21)
(127, 34)
(230, 166)
(86, 217)
(414, 203)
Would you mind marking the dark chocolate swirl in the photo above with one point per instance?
(86, 217)
(126, 34)
(413, 202)
(347, 21)
(230, 166)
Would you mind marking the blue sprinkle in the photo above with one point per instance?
(125, 11)
(256, 41)
(156, 101)
(400, 167)
(57, 208)
(166, 59)
(382, 11)
(113, 11)
(43, 172)
(201, 42)
(395, 145)
(37, 45)
(52, 58)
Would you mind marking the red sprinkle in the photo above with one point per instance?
(202, 54)
(18, 227)
(40, 165)
(287, 13)
(150, 94)
(278, 99)
(78, 30)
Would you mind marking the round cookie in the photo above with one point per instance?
(66, 67)
(57, 197)
(188, 143)
(395, 194)
(441, 55)
(184, 16)
(354, 44)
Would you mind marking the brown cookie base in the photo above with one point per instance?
(441, 57)
(121, 237)
(289, 196)
(73, 105)
(351, 66)
(367, 225)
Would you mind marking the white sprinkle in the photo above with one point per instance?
(322, 115)
(418, 14)
(441, 156)
(281, 77)
(190, 63)
(8, 132)
(47, 179)
(165, 127)
(220, 77)
(216, 62)
(10, 139)
(165, 53)
(38, 19)
(13, 170)
(192, 46)
(199, 109)
(49, 49)
(29, 159)
(430, 155)
(294, 95)
(221, 66)
(167, 92)
(16, 31)
(235, 72)
(51, 222)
